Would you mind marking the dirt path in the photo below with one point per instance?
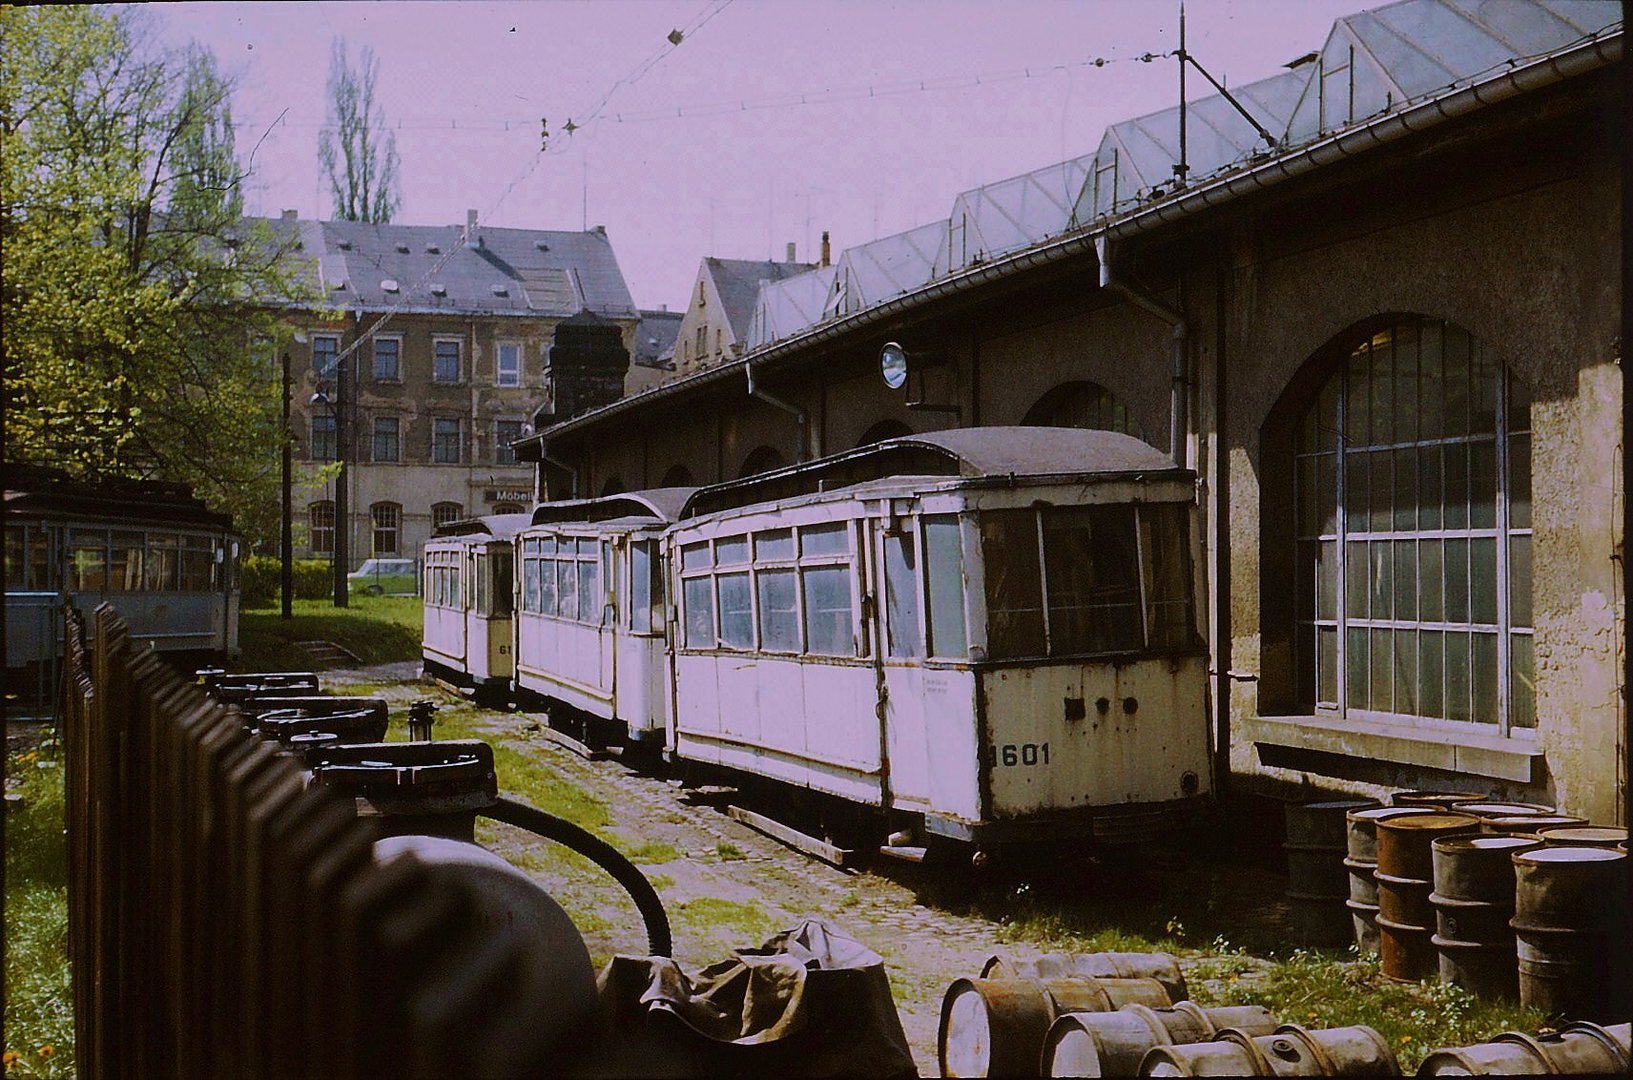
(724, 885)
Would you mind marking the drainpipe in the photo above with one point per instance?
(1176, 369)
(810, 444)
(570, 470)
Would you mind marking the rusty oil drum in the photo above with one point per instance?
(1473, 900)
(1114, 1043)
(1360, 861)
(1601, 836)
(1530, 824)
(1160, 966)
(1290, 1050)
(1318, 879)
(1437, 800)
(1571, 931)
(1405, 872)
(1492, 808)
(996, 1027)
(1574, 1050)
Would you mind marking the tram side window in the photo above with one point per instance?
(484, 595)
(14, 559)
(504, 575)
(197, 564)
(902, 595)
(125, 560)
(944, 585)
(163, 563)
(1009, 554)
(88, 560)
(645, 588)
(28, 558)
(566, 583)
(697, 593)
(1165, 539)
(545, 587)
(589, 591)
(1093, 568)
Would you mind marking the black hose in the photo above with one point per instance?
(601, 853)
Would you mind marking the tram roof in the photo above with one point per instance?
(40, 491)
(499, 526)
(663, 504)
(984, 453)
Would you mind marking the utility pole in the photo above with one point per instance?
(343, 513)
(286, 531)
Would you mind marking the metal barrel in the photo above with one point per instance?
(1114, 1043)
(1403, 842)
(1290, 1050)
(1363, 886)
(1575, 1050)
(1528, 823)
(1404, 875)
(1361, 829)
(1364, 924)
(1571, 931)
(1600, 836)
(1160, 966)
(1439, 800)
(1473, 902)
(1317, 881)
(996, 1027)
(1489, 808)
(1476, 867)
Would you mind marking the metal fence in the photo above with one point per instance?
(227, 919)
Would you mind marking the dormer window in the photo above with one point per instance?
(344, 245)
(433, 249)
(389, 285)
(500, 290)
(438, 289)
(402, 249)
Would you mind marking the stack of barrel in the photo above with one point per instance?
(1127, 1014)
(1360, 864)
(1318, 880)
(1574, 1050)
(1571, 927)
(1405, 877)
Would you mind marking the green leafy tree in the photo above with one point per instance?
(356, 149)
(140, 309)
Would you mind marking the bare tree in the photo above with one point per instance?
(358, 152)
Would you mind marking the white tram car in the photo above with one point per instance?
(990, 633)
(469, 590)
(591, 607)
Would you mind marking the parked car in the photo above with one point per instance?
(385, 577)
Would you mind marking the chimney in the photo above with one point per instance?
(826, 253)
(791, 252)
(473, 235)
(292, 215)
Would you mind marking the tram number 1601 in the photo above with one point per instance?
(1023, 754)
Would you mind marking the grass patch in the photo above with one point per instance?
(1321, 991)
(377, 629)
(651, 852)
(748, 923)
(39, 997)
(729, 852)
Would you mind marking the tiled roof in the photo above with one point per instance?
(655, 337)
(738, 283)
(430, 268)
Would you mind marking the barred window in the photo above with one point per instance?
(325, 355)
(320, 519)
(445, 513)
(387, 519)
(323, 437)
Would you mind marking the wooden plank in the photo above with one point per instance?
(905, 852)
(570, 744)
(787, 834)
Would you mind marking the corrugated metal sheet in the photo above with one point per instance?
(784, 308)
(884, 268)
(1387, 57)
(1011, 214)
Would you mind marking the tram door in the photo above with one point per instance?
(899, 653)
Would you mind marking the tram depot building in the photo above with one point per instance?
(1384, 333)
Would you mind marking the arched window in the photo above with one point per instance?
(884, 429)
(678, 476)
(320, 520)
(761, 459)
(387, 518)
(444, 513)
(507, 508)
(1082, 405)
(1412, 533)
(613, 486)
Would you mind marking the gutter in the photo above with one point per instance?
(1526, 77)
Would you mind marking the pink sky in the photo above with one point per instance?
(468, 83)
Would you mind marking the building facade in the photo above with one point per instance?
(1387, 340)
(715, 325)
(434, 356)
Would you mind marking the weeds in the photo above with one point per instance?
(39, 1007)
(729, 852)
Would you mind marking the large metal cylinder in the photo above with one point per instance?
(1473, 902)
(1114, 1043)
(1405, 878)
(1528, 824)
(1317, 880)
(1439, 800)
(1360, 863)
(1160, 966)
(1574, 1050)
(1290, 1050)
(996, 1027)
(1571, 931)
(1602, 836)
(1486, 808)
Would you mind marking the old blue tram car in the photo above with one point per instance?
(152, 550)
(989, 635)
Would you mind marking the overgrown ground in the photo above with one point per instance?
(727, 887)
(376, 629)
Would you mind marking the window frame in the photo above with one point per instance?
(323, 445)
(458, 440)
(396, 437)
(501, 446)
(397, 341)
(437, 343)
(499, 363)
(315, 529)
(315, 336)
(439, 516)
(377, 528)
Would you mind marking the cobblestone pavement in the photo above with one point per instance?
(725, 885)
